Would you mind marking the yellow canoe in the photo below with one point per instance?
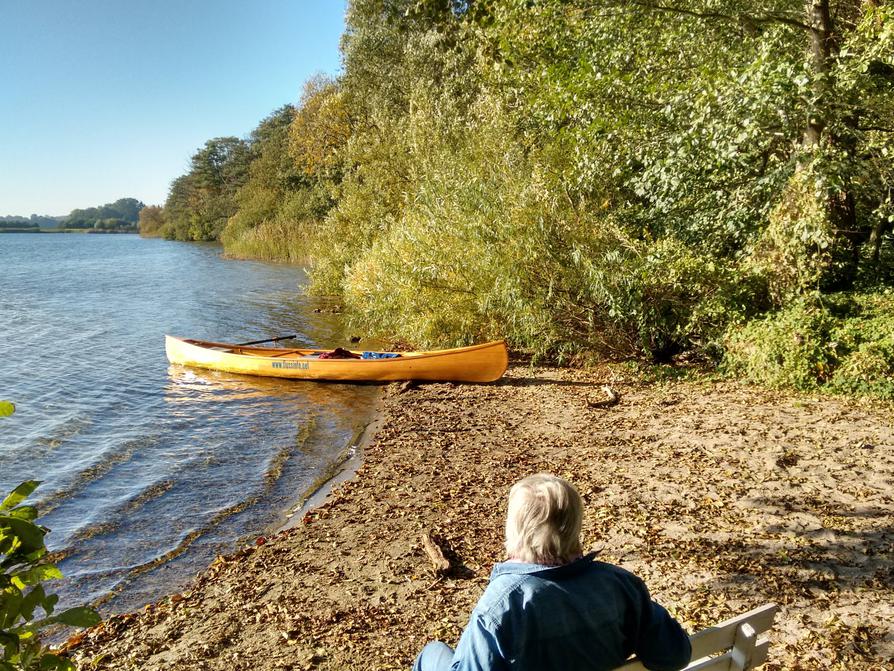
(478, 363)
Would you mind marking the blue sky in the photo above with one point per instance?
(107, 99)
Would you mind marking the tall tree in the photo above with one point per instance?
(200, 202)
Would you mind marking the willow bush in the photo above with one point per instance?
(368, 199)
(487, 243)
(471, 279)
(286, 233)
(397, 125)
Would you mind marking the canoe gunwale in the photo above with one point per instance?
(416, 355)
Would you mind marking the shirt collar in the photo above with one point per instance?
(542, 570)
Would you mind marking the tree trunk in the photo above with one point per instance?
(875, 242)
(821, 50)
(841, 206)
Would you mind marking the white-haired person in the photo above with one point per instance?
(550, 608)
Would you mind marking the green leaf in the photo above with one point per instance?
(19, 494)
(32, 557)
(33, 599)
(9, 641)
(6, 408)
(36, 574)
(51, 662)
(16, 559)
(10, 607)
(30, 535)
(50, 603)
(82, 616)
(28, 513)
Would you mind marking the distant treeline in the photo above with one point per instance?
(579, 177)
(17, 226)
(34, 221)
(122, 216)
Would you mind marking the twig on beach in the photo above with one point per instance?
(440, 563)
(613, 399)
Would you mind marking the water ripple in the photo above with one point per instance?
(149, 469)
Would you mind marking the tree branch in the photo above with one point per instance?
(741, 17)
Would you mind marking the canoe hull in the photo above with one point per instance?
(479, 363)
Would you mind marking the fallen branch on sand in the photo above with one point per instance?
(613, 399)
(439, 562)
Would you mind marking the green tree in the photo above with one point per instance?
(200, 202)
(151, 221)
(319, 130)
(271, 176)
(724, 117)
(292, 179)
(124, 209)
(394, 120)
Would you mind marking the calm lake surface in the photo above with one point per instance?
(151, 470)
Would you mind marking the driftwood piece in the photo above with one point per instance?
(409, 385)
(440, 563)
(613, 399)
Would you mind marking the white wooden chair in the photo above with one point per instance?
(738, 644)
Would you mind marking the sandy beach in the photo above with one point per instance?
(722, 497)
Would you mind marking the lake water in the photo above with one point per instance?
(151, 470)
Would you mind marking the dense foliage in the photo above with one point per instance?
(844, 342)
(151, 221)
(24, 571)
(201, 201)
(122, 215)
(611, 177)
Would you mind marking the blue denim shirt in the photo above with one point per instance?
(585, 615)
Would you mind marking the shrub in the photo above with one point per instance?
(487, 246)
(485, 240)
(840, 343)
(23, 572)
(868, 368)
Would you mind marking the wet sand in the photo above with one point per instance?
(722, 497)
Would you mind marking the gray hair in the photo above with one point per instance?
(543, 520)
